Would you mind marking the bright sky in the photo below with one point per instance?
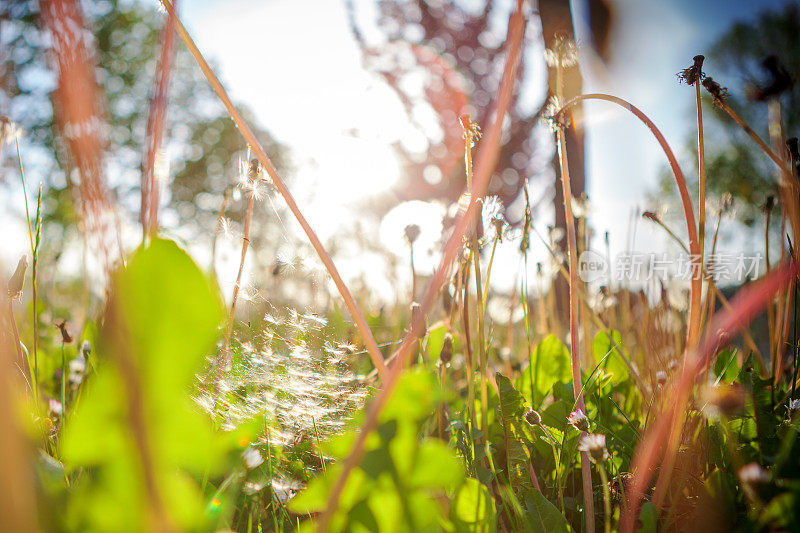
(296, 65)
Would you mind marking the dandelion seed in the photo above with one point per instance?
(578, 420)
(551, 114)
(412, 232)
(55, 407)
(9, 131)
(661, 377)
(252, 458)
(564, 52)
(86, 349)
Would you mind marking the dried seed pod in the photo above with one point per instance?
(412, 232)
(694, 73)
(447, 299)
(66, 338)
(446, 354)
(415, 312)
(717, 91)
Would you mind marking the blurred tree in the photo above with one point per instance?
(201, 141)
(444, 59)
(744, 59)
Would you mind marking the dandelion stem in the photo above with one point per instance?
(470, 135)
(701, 164)
(574, 314)
(787, 186)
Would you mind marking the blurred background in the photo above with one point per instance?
(357, 103)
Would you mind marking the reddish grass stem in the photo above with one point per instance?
(358, 317)
(688, 210)
(155, 128)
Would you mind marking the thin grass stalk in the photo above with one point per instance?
(600, 323)
(487, 160)
(470, 359)
(482, 359)
(220, 222)
(747, 304)
(358, 317)
(701, 163)
(35, 254)
(796, 344)
(601, 469)
(695, 308)
(471, 134)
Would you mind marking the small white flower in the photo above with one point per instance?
(661, 377)
(794, 405)
(578, 420)
(595, 445)
(753, 474)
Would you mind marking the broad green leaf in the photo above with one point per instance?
(649, 518)
(473, 508)
(315, 496)
(434, 341)
(550, 363)
(726, 368)
(436, 465)
(162, 320)
(606, 348)
(512, 404)
(416, 396)
(766, 419)
(542, 516)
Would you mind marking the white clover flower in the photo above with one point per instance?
(595, 445)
